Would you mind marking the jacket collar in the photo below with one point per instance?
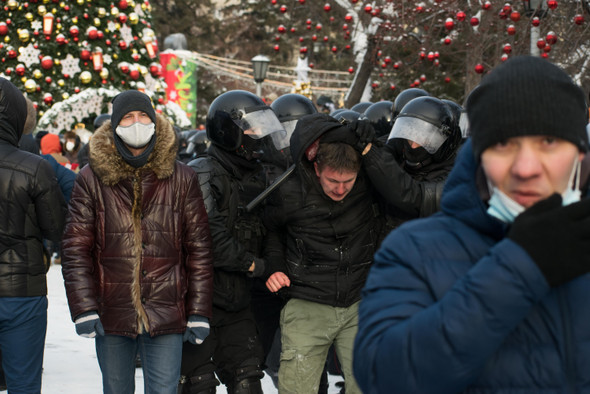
(109, 166)
(462, 197)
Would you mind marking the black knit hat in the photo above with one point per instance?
(526, 95)
(131, 100)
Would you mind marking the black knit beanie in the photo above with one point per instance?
(131, 100)
(526, 95)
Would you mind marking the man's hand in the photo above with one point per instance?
(277, 281)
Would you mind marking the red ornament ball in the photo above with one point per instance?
(479, 68)
(348, 18)
(281, 29)
(474, 21)
(552, 4)
(122, 45)
(579, 19)
(449, 24)
(20, 70)
(486, 6)
(551, 38)
(447, 79)
(283, 9)
(122, 18)
(334, 49)
(47, 62)
(541, 43)
(3, 29)
(276, 47)
(351, 70)
(48, 98)
(74, 31)
(507, 48)
(461, 16)
(85, 54)
(134, 74)
(515, 16)
(511, 30)
(123, 4)
(327, 7)
(536, 21)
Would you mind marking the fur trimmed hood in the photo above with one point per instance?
(109, 166)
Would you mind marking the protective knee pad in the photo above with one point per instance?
(201, 384)
(246, 386)
(247, 378)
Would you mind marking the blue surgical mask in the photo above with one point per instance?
(503, 207)
(506, 209)
(572, 192)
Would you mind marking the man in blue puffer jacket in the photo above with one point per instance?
(491, 294)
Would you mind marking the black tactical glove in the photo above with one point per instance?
(365, 134)
(557, 238)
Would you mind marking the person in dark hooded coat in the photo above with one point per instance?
(323, 230)
(31, 208)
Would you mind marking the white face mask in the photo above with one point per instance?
(137, 135)
(506, 209)
(70, 145)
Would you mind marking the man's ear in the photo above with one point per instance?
(315, 167)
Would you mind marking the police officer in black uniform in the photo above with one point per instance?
(231, 176)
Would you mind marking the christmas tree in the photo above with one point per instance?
(72, 57)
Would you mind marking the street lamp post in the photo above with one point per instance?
(535, 8)
(260, 66)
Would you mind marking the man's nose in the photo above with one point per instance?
(526, 162)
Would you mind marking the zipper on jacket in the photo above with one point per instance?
(570, 363)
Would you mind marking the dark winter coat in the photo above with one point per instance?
(451, 305)
(228, 184)
(31, 204)
(325, 247)
(137, 247)
(408, 194)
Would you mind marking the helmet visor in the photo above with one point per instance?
(429, 136)
(464, 124)
(281, 141)
(258, 122)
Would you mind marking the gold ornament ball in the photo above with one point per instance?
(29, 16)
(46, 1)
(131, 4)
(102, 12)
(42, 10)
(30, 86)
(133, 18)
(58, 26)
(146, 7)
(75, 20)
(85, 77)
(115, 56)
(12, 4)
(104, 73)
(60, 83)
(24, 35)
(37, 74)
(6, 39)
(114, 11)
(96, 22)
(62, 5)
(56, 61)
(54, 11)
(143, 70)
(80, 2)
(24, 79)
(65, 96)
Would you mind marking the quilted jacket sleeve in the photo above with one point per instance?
(430, 319)
(197, 244)
(77, 248)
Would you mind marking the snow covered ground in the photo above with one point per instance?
(70, 364)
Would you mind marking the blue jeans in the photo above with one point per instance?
(23, 324)
(160, 360)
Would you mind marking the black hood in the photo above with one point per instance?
(308, 129)
(13, 112)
